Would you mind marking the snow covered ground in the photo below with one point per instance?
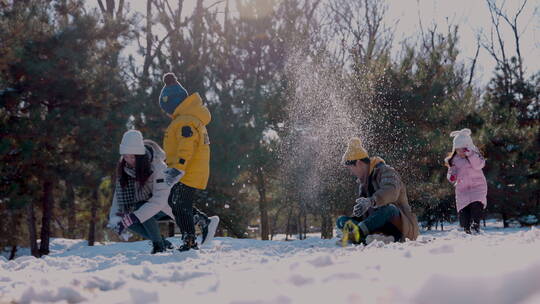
(499, 266)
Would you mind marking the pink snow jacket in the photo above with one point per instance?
(467, 177)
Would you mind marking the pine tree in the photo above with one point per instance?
(66, 102)
(511, 133)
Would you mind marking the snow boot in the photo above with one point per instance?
(189, 243)
(157, 247)
(351, 233)
(475, 228)
(167, 244)
(208, 229)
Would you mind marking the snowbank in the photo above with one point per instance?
(499, 266)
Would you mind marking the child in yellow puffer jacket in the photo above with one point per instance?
(187, 148)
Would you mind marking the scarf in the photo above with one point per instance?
(133, 193)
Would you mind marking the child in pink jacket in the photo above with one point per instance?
(465, 165)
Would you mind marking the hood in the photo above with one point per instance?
(193, 106)
(373, 162)
(159, 154)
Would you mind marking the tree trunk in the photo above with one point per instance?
(93, 217)
(270, 230)
(149, 41)
(326, 225)
(12, 237)
(264, 218)
(13, 252)
(299, 226)
(261, 187)
(288, 228)
(32, 233)
(46, 218)
(198, 50)
(112, 14)
(505, 220)
(305, 226)
(72, 212)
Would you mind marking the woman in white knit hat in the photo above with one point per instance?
(141, 194)
(465, 164)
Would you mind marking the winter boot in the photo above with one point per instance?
(157, 247)
(351, 233)
(189, 243)
(208, 228)
(167, 244)
(476, 227)
(340, 222)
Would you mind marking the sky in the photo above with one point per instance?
(472, 17)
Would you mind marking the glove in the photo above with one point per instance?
(113, 221)
(452, 178)
(362, 206)
(172, 175)
(127, 220)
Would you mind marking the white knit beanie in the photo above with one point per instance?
(462, 139)
(132, 143)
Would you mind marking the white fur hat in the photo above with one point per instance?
(132, 143)
(462, 139)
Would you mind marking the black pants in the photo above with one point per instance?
(181, 203)
(471, 214)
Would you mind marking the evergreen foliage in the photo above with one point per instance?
(71, 84)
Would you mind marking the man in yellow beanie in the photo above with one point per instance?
(382, 206)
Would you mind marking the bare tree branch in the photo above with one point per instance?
(170, 9)
(473, 65)
(149, 40)
(160, 44)
(513, 24)
(120, 9)
(110, 8)
(103, 10)
(497, 13)
(503, 62)
(214, 4)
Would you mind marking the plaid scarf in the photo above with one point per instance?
(133, 192)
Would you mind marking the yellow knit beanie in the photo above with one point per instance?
(355, 150)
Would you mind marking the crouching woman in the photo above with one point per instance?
(140, 195)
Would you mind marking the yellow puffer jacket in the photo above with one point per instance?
(186, 142)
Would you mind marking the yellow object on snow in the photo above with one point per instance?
(351, 232)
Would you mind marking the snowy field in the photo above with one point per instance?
(498, 266)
